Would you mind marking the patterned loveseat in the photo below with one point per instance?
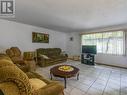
(50, 56)
(13, 81)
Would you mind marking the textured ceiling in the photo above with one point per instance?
(71, 15)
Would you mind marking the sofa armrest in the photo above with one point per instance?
(7, 87)
(39, 58)
(15, 75)
(65, 55)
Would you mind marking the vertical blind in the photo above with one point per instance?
(106, 42)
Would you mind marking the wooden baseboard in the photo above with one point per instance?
(111, 65)
(74, 59)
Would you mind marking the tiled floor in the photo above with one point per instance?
(93, 80)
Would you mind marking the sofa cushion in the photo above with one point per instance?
(37, 83)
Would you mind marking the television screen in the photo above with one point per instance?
(91, 49)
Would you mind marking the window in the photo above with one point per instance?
(106, 42)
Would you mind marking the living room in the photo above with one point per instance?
(67, 23)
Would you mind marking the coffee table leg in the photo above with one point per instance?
(50, 75)
(78, 76)
(65, 82)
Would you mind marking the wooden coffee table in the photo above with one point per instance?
(55, 71)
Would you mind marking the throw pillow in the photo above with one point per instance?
(44, 56)
(37, 83)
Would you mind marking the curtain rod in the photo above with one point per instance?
(103, 31)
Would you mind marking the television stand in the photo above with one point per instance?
(88, 59)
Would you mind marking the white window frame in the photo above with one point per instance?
(124, 42)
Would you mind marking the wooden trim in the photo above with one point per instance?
(111, 65)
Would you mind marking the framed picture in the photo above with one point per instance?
(40, 37)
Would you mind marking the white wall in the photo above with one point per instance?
(20, 35)
(75, 49)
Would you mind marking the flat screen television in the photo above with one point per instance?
(89, 49)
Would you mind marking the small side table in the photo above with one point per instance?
(88, 59)
(31, 65)
(30, 59)
(30, 55)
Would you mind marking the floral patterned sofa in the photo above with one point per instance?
(50, 56)
(13, 81)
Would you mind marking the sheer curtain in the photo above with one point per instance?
(106, 42)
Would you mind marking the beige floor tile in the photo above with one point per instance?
(93, 80)
(93, 91)
(83, 87)
(68, 89)
(65, 93)
(76, 91)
